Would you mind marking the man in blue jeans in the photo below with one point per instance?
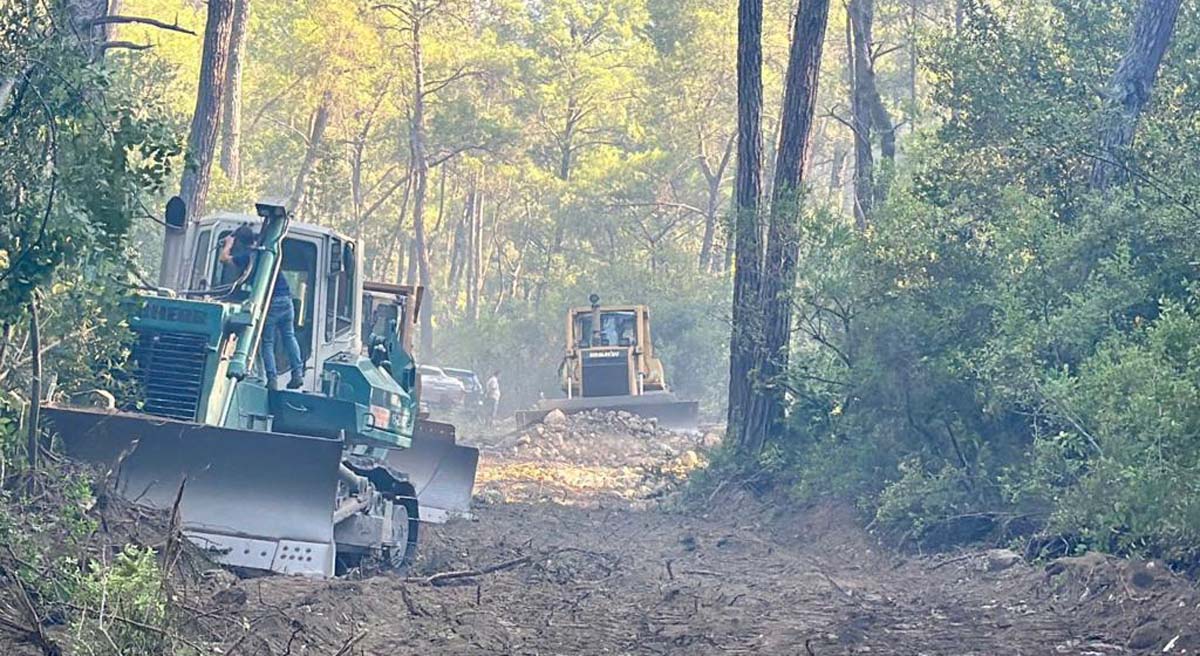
(281, 314)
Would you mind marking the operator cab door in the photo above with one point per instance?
(300, 266)
(340, 326)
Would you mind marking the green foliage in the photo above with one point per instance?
(1004, 350)
(122, 607)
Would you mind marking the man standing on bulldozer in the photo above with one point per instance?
(281, 314)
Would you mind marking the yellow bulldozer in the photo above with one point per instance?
(610, 364)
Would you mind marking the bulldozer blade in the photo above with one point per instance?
(250, 499)
(669, 411)
(442, 471)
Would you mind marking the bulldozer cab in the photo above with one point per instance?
(610, 352)
(617, 327)
(322, 269)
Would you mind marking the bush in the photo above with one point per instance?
(122, 607)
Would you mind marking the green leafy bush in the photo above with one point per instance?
(122, 608)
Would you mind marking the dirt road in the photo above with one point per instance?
(583, 566)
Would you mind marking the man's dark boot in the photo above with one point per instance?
(273, 383)
(297, 380)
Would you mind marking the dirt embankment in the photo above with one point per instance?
(578, 547)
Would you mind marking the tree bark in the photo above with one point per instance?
(1130, 87)
(783, 236)
(861, 17)
(202, 137)
(420, 164)
(714, 176)
(81, 15)
(399, 240)
(311, 154)
(748, 229)
(231, 119)
(34, 437)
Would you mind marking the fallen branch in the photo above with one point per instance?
(413, 608)
(349, 644)
(949, 561)
(444, 577)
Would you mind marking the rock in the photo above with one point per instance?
(1001, 559)
(710, 440)
(231, 597)
(1149, 635)
(540, 430)
(1143, 575)
(555, 417)
(219, 577)
(691, 460)
(524, 440)
(490, 496)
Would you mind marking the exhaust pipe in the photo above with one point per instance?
(595, 299)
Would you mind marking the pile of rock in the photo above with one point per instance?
(603, 437)
(610, 421)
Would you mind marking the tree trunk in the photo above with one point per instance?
(468, 263)
(861, 16)
(420, 166)
(477, 258)
(914, 18)
(81, 14)
(398, 242)
(231, 118)
(459, 247)
(311, 154)
(33, 442)
(783, 236)
(1130, 87)
(748, 230)
(202, 137)
(715, 177)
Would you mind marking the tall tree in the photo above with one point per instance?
(202, 137)
(748, 226)
(783, 235)
(419, 156)
(312, 152)
(1129, 89)
(861, 18)
(231, 113)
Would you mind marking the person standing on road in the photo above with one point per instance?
(492, 392)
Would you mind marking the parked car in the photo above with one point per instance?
(470, 381)
(440, 390)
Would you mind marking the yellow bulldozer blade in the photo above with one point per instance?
(669, 411)
(250, 499)
(442, 471)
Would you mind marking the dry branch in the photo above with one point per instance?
(445, 577)
(140, 20)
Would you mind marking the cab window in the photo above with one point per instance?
(200, 259)
(339, 301)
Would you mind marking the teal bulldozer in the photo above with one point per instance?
(335, 475)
